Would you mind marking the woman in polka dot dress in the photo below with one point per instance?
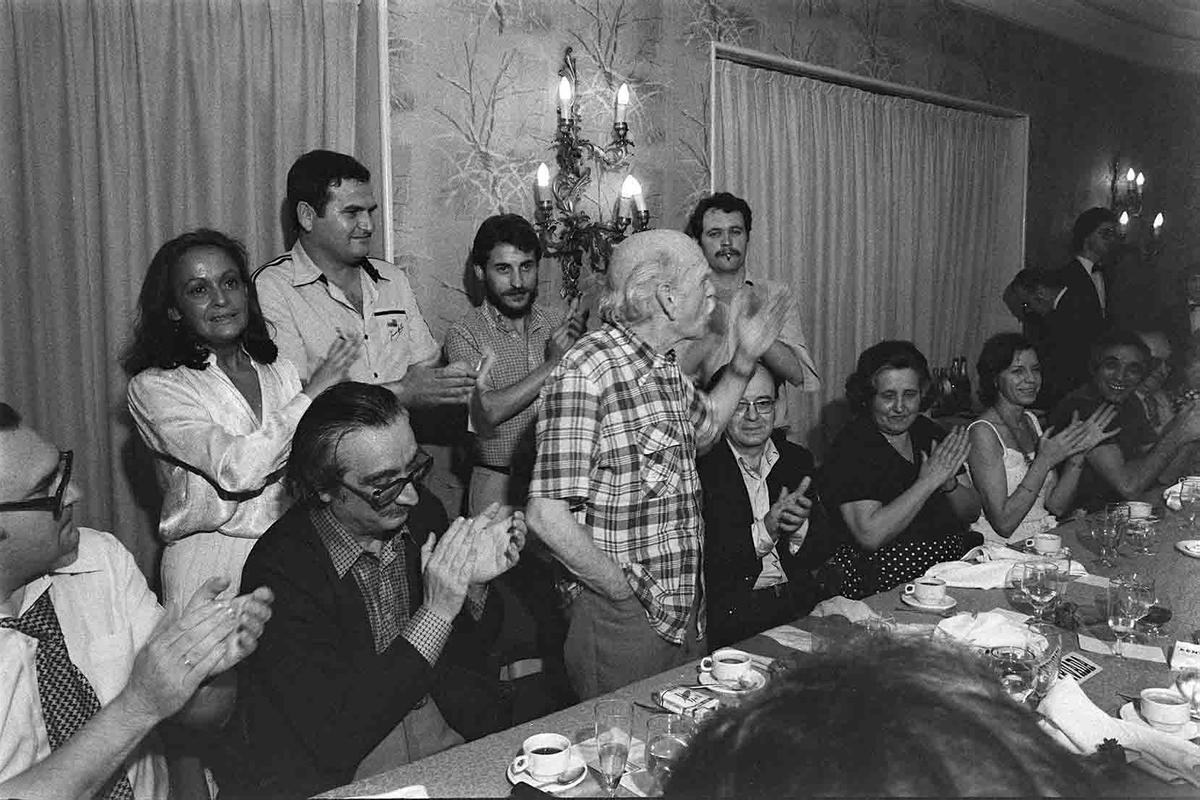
(890, 481)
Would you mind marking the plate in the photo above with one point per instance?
(1129, 713)
(551, 786)
(1189, 547)
(909, 600)
(756, 682)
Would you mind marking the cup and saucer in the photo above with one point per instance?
(927, 594)
(1163, 710)
(548, 763)
(1189, 547)
(1044, 545)
(730, 670)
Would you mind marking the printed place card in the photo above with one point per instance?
(1078, 667)
(1186, 655)
(1099, 581)
(1141, 652)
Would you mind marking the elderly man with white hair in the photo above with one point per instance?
(615, 493)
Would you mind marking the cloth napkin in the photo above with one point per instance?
(987, 566)
(988, 629)
(853, 610)
(1076, 723)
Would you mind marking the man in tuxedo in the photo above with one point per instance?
(1093, 242)
(759, 539)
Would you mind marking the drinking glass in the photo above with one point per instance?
(1157, 616)
(1188, 684)
(1109, 532)
(1013, 591)
(614, 730)
(1189, 499)
(667, 737)
(1040, 582)
(1015, 668)
(1045, 642)
(1129, 599)
(1143, 535)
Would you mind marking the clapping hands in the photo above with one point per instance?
(789, 511)
(1079, 436)
(755, 323)
(472, 551)
(941, 466)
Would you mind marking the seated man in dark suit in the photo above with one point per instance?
(759, 542)
(371, 664)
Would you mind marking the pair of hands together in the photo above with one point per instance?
(471, 552)
(789, 511)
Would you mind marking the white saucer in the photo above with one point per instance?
(757, 681)
(1189, 547)
(910, 600)
(551, 786)
(1129, 713)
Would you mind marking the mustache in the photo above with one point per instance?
(516, 293)
(729, 251)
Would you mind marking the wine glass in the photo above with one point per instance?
(667, 737)
(1045, 641)
(1189, 499)
(1015, 668)
(1157, 616)
(614, 730)
(1142, 535)
(1040, 582)
(1129, 599)
(1108, 532)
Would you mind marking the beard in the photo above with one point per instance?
(499, 300)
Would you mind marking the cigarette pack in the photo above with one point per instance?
(685, 700)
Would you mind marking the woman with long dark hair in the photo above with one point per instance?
(215, 405)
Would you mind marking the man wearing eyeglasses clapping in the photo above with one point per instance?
(373, 660)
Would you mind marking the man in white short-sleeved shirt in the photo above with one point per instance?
(327, 286)
(88, 664)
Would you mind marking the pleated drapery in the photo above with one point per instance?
(888, 217)
(123, 124)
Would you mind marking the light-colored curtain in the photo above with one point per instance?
(888, 217)
(123, 124)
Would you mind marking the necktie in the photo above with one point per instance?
(68, 700)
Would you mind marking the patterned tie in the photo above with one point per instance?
(68, 700)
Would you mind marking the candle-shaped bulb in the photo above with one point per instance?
(1158, 221)
(1140, 180)
(1131, 175)
(541, 185)
(622, 104)
(1123, 219)
(635, 191)
(564, 95)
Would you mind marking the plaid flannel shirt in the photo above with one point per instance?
(617, 442)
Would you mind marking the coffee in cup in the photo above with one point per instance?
(927, 591)
(1045, 543)
(727, 665)
(544, 756)
(1139, 510)
(1165, 709)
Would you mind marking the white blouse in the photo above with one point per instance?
(220, 469)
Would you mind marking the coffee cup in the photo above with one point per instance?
(927, 591)
(1139, 510)
(1165, 709)
(1045, 543)
(727, 666)
(544, 756)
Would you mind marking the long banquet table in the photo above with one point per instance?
(477, 769)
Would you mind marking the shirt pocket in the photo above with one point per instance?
(661, 449)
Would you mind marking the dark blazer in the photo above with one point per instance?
(731, 564)
(314, 699)
(1068, 334)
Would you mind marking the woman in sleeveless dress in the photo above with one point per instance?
(1012, 461)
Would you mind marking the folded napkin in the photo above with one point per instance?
(989, 629)
(1077, 724)
(853, 610)
(987, 566)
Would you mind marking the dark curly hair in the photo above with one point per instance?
(721, 201)
(997, 355)
(159, 341)
(510, 229)
(888, 354)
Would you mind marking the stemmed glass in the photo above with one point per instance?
(1157, 617)
(614, 730)
(1109, 531)
(1189, 499)
(1142, 534)
(1040, 582)
(1129, 598)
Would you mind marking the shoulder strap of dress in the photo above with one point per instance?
(1033, 420)
(993, 427)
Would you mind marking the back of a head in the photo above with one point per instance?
(1030, 280)
(880, 717)
(313, 173)
(638, 266)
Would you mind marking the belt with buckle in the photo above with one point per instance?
(521, 669)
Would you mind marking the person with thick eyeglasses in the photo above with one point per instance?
(377, 654)
(89, 661)
(763, 534)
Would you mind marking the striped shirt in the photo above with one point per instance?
(617, 442)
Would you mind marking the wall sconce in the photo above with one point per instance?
(566, 231)
(1126, 188)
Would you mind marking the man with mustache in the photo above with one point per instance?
(516, 341)
(328, 287)
(721, 224)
